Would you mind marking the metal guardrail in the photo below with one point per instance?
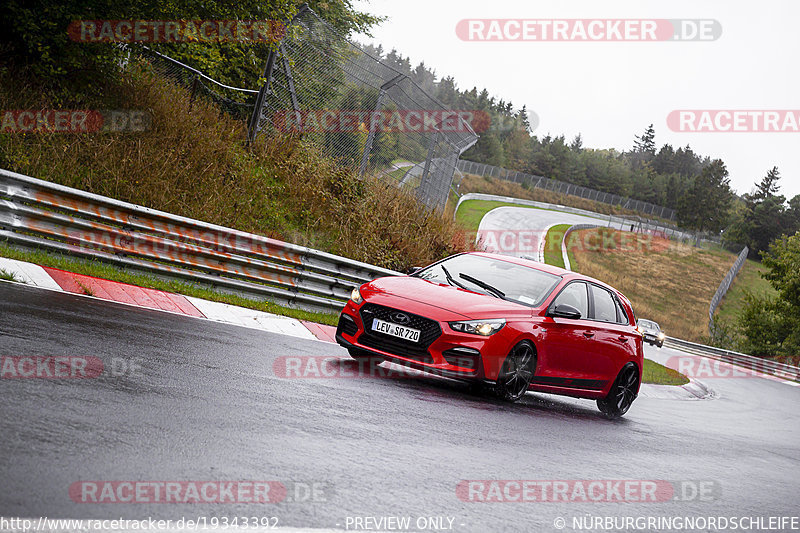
(722, 290)
(750, 362)
(44, 215)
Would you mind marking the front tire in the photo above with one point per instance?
(516, 373)
(622, 393)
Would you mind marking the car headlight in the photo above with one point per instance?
(356, 296)
(661, 336)
(479, 327)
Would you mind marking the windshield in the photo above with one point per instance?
(647, 324)
(516, 283)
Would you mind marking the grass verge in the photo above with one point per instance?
(471, 212)
(8, 276)
(749, 279)
(669, 282)
(113, 273)
(552, 247)
(657, 374)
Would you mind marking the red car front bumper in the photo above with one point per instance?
(441, 350)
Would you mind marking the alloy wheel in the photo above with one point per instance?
(517, 372)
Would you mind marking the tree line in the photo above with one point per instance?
(697, 187)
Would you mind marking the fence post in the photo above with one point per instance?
(252, 129)
(423, 182)
(290, 82)
(194, 90)
(372, 123)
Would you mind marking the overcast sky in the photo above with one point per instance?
(610, 91)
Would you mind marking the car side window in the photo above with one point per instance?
(622, 316)
(575, 295)
(605, 308)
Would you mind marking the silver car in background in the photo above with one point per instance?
(651, 332)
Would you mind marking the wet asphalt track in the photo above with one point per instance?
(206, 405)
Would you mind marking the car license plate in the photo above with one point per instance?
(395, 330)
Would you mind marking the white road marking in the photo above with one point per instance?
(250, 318)
(29, 273)
(36, 276)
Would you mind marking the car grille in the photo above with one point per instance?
(429, 332)
(347, 326)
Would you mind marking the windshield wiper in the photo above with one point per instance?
(482, 284)
(451, 280)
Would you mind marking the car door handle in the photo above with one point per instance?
(622, 338)
(588, 334)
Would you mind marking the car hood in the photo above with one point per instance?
(458, 302)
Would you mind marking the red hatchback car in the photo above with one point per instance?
(515, 324)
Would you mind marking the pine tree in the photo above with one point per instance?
(645, 144)
(577, 143)
(768, 187)
(706, 205)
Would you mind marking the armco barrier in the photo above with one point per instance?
(40, 214)
(765, 366)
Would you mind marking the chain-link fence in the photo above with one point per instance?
(235, 101)
(364, 113)
(533, 182)
(722, 290)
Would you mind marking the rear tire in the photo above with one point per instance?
(516, 373)
(622, 393)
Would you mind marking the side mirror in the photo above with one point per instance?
(564, 311)
(413, 270)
